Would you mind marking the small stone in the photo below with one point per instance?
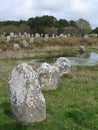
(24, 43)
(16, 47)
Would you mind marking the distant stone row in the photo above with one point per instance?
(26, 35)
(25, 84)
(25, 39)
(31, 37)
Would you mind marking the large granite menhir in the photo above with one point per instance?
(27, 101)
(48, 76)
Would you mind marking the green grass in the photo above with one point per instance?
(73, 106)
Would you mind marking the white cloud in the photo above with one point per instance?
(67, 9)
(53, 5)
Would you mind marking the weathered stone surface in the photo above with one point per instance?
(24, 43)
(42, 34)
(28, 36)
(48, 76)
(63, 64)
(37, 35)
(20, 34)
(46, 37)
(16, 47)
(22, 37)
(8, 38)
(12, 35)
(61, 35)
(27, 101)
(53, 36)
(32, 40)
(25, 34)
(81, 49)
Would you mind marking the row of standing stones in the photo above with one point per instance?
(25, 89)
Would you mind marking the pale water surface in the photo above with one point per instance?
(79, 60)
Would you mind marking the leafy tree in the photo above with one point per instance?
(51, 30)
(9, 28)
(62, 23)
(95, 30)
(84, 26)
(38, 24)
(24, 28)
(3, 23)
(72, 23)
(47, 24)
(48, 20)
(73, 31)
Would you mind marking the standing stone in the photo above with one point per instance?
(46, 37)
(61, 35)
(15, 36)
(53, 36)
(37, 35)
(25, 34)
(85, 37)
(28, 36)
(42, 35)
(22, 37)
(68, 35)
(48, 76)
(24, 43)
(57, 36)
(2, 36)
(63, 64)
(12, 35)
(8, 38)
(32, 40)
(19, 34)
(82, 49)
(27, 101)
(65, 36)
(32, 35)
(16, 47)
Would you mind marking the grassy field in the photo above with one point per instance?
(73, 106)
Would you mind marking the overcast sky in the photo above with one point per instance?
(65, 9)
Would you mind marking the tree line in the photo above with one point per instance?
(48, 25)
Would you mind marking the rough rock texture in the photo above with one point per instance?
(48, 76)
(12, 35)
(81, 49)
(24, 43)
(37, 35)
(27, 101)
(8, 38)
(63, 64)
(16, 47)
(32, 40)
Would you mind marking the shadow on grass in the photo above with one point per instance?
(6, 108)
(82, 118)
(14, 126)
(8, 122)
